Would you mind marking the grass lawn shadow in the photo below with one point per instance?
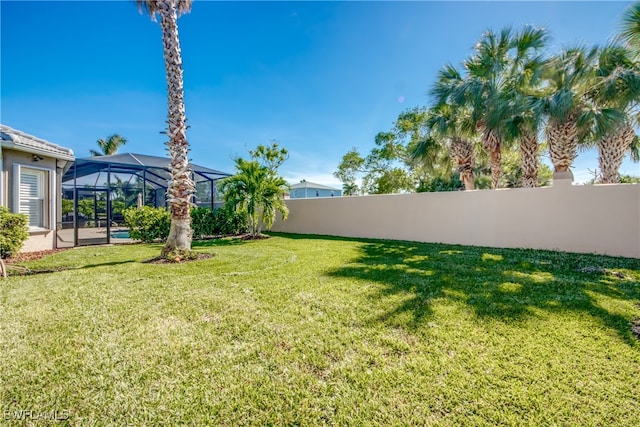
(107, 264)
(224, 241)
(505, 284)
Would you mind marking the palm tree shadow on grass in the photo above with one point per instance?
(509, 285)
(19, 270)
(108, 264)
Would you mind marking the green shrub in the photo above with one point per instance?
(222, 221)
(67, 206)
(13, 232)
(203, 222)
(148, 224)
(151, 224)
(232, 222)
(118, 206)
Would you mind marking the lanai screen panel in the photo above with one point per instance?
(97, 190)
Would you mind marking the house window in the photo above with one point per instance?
(31, 196)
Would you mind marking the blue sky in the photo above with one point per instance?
(320, 77)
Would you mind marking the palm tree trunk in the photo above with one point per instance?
(462, 152)
(529, 151)
(492, 145)
(258, 230)
(563, 143)
(181, 186)
(611, 151)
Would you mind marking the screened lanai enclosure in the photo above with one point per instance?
(96, 191)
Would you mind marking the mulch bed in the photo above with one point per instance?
(32, 256)
(250, 237)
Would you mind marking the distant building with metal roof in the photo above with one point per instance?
(305, 190)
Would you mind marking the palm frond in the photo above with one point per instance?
(631, 28)
(448, 79)
(109, 146)
(152, 7)
(529, 39)
(426, 150)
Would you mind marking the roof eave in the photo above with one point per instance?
(34, 150)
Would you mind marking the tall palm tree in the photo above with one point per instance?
(612, 148)
(570, 76)
(181, 186)
(463, 154)
(529, 149)
(617, 95)
(524, 126)
(484, 91)
(109, 146)
(486, 87)
(525, 90)
(452, 125)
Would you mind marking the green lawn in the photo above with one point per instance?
(303, 330)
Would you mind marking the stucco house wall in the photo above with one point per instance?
(22, 154)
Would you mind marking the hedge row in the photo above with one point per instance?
(151, 224)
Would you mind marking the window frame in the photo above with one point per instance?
(48, 193)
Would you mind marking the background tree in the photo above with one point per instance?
(181, 186)
(350, 189)
(486, 88)
(388, 165)
(526, 92)
(270, 156)
(513, 175)
(403, 159)
(257, 189)
(616, 95)
(422, 155)
(379, 171)
(509, 94)
(349, 170)
(454, 128)
(109, 146)
(569, 76)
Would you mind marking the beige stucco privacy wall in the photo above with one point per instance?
(603, 219)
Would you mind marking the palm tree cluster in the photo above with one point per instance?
(257, 189)
(509, 93)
